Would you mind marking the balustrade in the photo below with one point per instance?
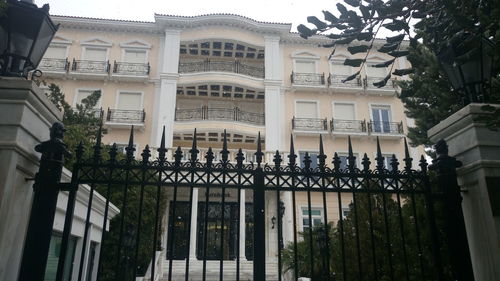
(222, 114)
(234, 66)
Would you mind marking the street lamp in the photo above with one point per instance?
(25, 35)
(468, 69)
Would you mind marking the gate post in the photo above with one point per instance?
(259, 230)
(45, 188)
(455, 233)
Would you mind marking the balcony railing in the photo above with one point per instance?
(348, 126)
(312, 79)
(382, 127)
(94, 112)
(309, 124)
(336, 81)
(127, 68)
(222, 114)
(126, 116)
(56, 65)
(207, 65)
(87, 66)
(368, 81)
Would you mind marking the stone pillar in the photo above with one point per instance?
(273, 104)
(27, 115)
(478, 148)
(165, 100)
(194, 223)
(242, 226)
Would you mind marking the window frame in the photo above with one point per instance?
(77, 91)
(313, 207)
(345, 102)
(59, 45)
(100, 44)
(305, 56)
(305, 100)
(117, 99)
(372, 106)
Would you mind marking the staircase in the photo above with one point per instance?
(212, 270)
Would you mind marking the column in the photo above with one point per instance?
(194, 222)
(165, 100)
(242, 226)
(273, 82)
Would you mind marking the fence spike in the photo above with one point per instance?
(336, 162)
(366, 163)
(321, 156)
(224, 152)
(162, 150)
(408, 160)
(307, 162)
(113, 151)
(277, 159)
(194, 148)
(239, 159)
(130, 147)
(292, 156)
(258, 154)
(178, 156)
(423, 164)
(97, 146)
(209, 157)
(394, 163)
(146, 153)
(379, 158)
(350, 157)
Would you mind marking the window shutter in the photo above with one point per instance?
(95, 54)
(306, 109)
(340, 69)
(305, 67)
(135, 56)
(343, 111)
(376, 71)
(55, 52)
(129, 101)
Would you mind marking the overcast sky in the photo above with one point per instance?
(284, 11)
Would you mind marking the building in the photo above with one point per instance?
(227, 72)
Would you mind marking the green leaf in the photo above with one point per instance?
(353, 62)
(401, 72)
(398, 54)
(305, 31)
(314, 20)
(388, 47)
(384, 64)
(358, 49)
(365, 11)
(354, 19)
(349, 78)
(343, 10)
(418, 15)
(346, 40)
(396, 25)
(395, 39)
(383, 82)
(341, 26)
(366, 36)
(354, 3)
(335, 36)
(330, 17)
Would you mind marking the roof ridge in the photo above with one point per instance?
(222, 14)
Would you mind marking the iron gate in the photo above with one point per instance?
(344, 222)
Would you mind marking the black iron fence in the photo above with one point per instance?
(222, 114)
(234, 66)
(375, 222)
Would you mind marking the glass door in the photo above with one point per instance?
(381, 116)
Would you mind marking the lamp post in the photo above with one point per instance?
(467, 62)
(25, 35)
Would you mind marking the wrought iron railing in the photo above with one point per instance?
(309, 124)
(95, 112)
(87, 66)
(349, 126)
(126, 116)
(224, 114)
(128, 68)
(336, 80)
(234, 66)
(314, 79)
(368, 82)
(382, 127)
(48, 64)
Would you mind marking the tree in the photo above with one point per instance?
(82, 126)
(435, 24)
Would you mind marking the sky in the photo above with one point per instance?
(283, 11)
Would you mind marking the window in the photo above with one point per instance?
(344, 160)
(343, 111)
(313, 156)
(95, 54)
(305, 66)
(129, 101)
(53, 257)
(135, 56)
(82, 94)
(381, 116)
(387, 161)
(121, 148)
(375, 71)
(306, 109)
(56, 52)
(345, 212)
(316, 217)
(338, 68)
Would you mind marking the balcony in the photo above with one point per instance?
(220, 114)
(348, 127)
(388, 89)
(309, 125)
(214, 65)
(93, 112)
(122, 118)
(54, 67)
(386, 129)
(90, 69)
(335, 82)
(126, 71)
(307, 79)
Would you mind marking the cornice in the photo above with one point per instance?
(97, 24)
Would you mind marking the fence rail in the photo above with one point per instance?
(223, 114)
(234, 66)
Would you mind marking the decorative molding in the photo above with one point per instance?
(61, 40)
(302, 54)
(96, 41)
(135, 44)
